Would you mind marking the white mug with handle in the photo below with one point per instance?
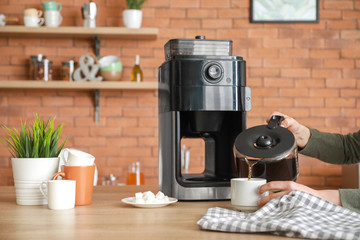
(244, 193)
(74, 157)
(60, 193)
(33, 21)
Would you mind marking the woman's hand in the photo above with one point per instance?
(281, 188)
(301, 133)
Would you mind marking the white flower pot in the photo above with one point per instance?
(28, 174)
(132, 18)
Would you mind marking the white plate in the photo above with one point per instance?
(131, 201)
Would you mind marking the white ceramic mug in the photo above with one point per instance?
(60, 193)
(32, 12)
(244, 193)
(32, 21)
(74, 157)
(52, 18)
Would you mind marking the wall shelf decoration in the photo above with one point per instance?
(284, 11)
(81, 32)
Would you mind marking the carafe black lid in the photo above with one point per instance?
(271, 141)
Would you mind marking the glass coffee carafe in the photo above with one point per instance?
(266, 151)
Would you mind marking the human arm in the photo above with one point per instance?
(280, 188)
(328, 147)
(350, 199)
(333, 148)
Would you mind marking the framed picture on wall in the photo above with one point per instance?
(284, 11)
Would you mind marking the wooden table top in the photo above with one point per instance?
(108, 218)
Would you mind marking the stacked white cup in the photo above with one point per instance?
(32, 17)
(52, 14)
(52, 18)
(74, 157)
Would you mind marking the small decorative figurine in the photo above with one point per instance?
(87, 70)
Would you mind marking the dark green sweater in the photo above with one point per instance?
(337, 149)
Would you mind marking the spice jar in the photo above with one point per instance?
(44, 70)
(33, 60)
(33, 65)
(68, 70)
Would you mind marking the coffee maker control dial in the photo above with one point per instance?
(213, 72)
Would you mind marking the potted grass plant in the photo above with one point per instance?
(132, 16)
(35, 149)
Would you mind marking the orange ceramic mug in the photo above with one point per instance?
(84, 176)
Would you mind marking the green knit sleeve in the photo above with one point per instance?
(350, 198)
(333, 148)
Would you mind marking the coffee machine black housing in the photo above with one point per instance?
(202, 94)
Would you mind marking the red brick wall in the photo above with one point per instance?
(309, 71)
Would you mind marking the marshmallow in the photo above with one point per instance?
(150, 197)
(160, 196)
(138, 195)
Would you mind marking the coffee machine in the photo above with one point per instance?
(202, 95)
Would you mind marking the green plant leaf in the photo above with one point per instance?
(39, 140)
(135, 4)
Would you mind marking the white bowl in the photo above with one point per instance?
(107, 60)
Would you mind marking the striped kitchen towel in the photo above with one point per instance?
(298, 215)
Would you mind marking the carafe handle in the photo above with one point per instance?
(275, 121)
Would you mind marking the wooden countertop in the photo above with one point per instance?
(108, 218)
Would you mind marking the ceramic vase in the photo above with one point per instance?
(132, 18)
(28, 174)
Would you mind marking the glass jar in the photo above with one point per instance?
(34, 59)
(44, 70)
(135, 176)
(68, 70)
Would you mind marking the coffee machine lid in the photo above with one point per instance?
(270, 142)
